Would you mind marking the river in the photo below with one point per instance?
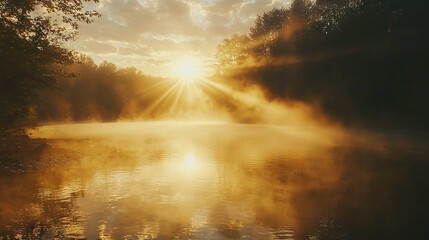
(172, 180)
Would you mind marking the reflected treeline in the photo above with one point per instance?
(363, 62)
(99, 92)
(134, 181)
(42, 202)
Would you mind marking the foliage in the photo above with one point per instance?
(361, 61)
(31, 38)
(232, 52)
(101, 92)
(265, 34)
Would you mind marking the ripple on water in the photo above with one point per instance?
(214, 182)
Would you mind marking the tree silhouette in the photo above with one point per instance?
(266, 33)
(101, 92)
(361, 61)
(31, 38)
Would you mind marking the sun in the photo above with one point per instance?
(188, 69)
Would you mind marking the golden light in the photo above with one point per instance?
(190, 162)
(188, 69)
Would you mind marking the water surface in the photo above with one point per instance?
(216, 181)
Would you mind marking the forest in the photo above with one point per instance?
(362, 63)
(101, 92)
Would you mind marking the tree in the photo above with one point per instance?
(266, 32)
(362, 62)
(32, 35)
(232, 53)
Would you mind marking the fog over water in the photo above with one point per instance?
(274, 119)
(214, 180)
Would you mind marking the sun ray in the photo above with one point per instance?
(160, 99)
(244, 98)
(157, 86)
(177, 98)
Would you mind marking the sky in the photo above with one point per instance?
(156, 35)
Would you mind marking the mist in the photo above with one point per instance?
(358, 64)
(312, 124)
(107, 93)
(302, 65)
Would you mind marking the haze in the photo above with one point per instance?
(214, 119)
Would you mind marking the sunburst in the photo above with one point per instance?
(188, 69)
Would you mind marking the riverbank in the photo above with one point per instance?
(20, 153)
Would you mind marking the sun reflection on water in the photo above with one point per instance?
(190, 163)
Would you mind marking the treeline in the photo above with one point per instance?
(101, 92)
(32, 53)
(362, 62)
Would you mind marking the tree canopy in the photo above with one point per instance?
(101, 92)
(32, 35)
(361, 61)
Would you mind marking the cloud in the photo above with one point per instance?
(146, 29)
(97, 47)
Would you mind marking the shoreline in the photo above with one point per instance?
(20, 153)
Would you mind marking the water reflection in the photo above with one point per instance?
(215, 181)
